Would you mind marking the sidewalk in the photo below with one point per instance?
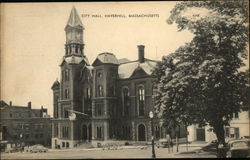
(195, 144)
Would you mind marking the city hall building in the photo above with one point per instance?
(107, 100)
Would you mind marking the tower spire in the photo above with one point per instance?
(74, 19)
(74, 35)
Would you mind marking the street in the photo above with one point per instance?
(99, 153)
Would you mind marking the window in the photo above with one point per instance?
(76, 49)
(236, 115)
(126, 102)
(66, 114)
(56, 131)
(99, 75)
(99, 133)
(10, 115)
(141, 93)
(87, 93)
(66, 93)
(65, 132)
(237, 132)
(100, 90)
(63, 144)
(66, 75)
(99, 109)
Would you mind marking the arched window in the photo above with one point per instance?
(141, 98)
(100, 91)
(126, 102)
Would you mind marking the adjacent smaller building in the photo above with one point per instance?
(239, 128)
(22, 125)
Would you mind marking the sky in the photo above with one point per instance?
(33, 41)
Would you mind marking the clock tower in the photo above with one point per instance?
(69, 93)
(74, 35)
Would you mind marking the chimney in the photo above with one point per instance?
(10, 103)
(29, 105)
(141, 53)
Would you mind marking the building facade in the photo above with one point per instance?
(238, 128)
(22, 125)
(108, 100)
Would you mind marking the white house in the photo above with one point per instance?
(239, 127)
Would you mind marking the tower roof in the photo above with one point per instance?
(74, 19)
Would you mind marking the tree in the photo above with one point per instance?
(201, 82)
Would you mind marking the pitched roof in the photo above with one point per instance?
(126, 70)
(123, 60)
(74, 19)
(108, 58)
(56, 84)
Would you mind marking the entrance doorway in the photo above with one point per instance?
(84, 132)
(200, 134)
(141, 132)
(90, 132)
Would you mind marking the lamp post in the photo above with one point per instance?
(151, 116)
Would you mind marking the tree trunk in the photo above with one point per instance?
(220, 134)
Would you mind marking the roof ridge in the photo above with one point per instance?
(129, 62)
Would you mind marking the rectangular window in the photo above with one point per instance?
(66, 94)
(237, 132)
(141, 94)
(99, 109)
(87, 93)
(236, 115)
(65, 132)
(99, 132)
(66, 74)
(66, 114)
(56, 131)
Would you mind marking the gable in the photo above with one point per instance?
(97, 62)
(138, 73)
